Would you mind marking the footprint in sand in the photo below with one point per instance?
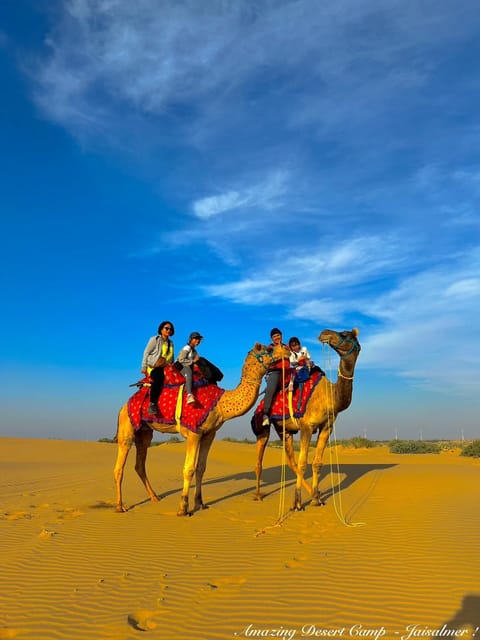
(17, 515)
(69, 513)
(227, 582)
(47, 533)
(142, 620)
(295, 562)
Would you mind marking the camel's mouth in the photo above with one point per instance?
(326, 337)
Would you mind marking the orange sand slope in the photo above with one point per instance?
(73, 568)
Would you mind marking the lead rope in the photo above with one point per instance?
(336, 492)
(282, 516)
(283, 473)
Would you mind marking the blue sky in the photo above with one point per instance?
(233, 166)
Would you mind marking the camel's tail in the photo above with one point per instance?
(115, 437)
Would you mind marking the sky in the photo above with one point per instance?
(232, 166)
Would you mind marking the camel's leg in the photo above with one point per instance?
(262, 441)
(322, 440)
(290, 453)
(191, 456)
(125, 437)
(143, 438)
(305, 438)
(205, 444)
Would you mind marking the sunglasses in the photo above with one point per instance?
(168, 328)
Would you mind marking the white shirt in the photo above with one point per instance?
(299, 358)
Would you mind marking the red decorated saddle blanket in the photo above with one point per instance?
(300, 398)
(192, 415)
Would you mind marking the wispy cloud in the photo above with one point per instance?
(108, 58)
(313, 272)
(265, 195)
(425, 330)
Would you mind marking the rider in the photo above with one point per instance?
(186, 357)
(158, 353)
(300, 361)
(280, 361)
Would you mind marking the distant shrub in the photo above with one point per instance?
(447, 445)
(357, 442)
(244, 441)
(110, 440)
(171, 440)
(278, 444)
(472, 450)
(413, 446)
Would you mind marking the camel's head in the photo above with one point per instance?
(262, 354)
(344, 342)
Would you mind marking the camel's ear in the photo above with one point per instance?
(355, 332)
(257, 346)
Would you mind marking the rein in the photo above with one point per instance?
(353, 341)
(336, 489)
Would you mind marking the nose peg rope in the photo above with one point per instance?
(283, 474)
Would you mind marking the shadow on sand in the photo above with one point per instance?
(468, 616)
(349, 473)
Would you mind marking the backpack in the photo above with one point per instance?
(211, 373)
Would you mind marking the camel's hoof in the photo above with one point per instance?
(297, 507)
(318, 503)
(121, 509)
(154, 499)
(258, 497)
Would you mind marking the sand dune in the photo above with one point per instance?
(393, 555)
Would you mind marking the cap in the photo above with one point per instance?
(195, 334)
(274, 331)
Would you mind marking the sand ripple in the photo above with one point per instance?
(73, 568)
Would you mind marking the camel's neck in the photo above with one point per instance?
(344, 384)
(236, 402)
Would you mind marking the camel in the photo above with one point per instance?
(327, 400)
(232, 403)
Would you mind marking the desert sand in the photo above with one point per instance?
(394, 554)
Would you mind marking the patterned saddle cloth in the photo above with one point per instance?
(192, 415)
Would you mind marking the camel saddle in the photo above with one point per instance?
(300, 397)
(192, 415)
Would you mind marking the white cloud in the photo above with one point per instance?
(110, 56)
(426, 331)
(213, 205)
(263, 195)
(464, 288)
(312, 270)
(422, 324)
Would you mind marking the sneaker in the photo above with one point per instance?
(266, 421)
(190, 398)
(153, 409)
